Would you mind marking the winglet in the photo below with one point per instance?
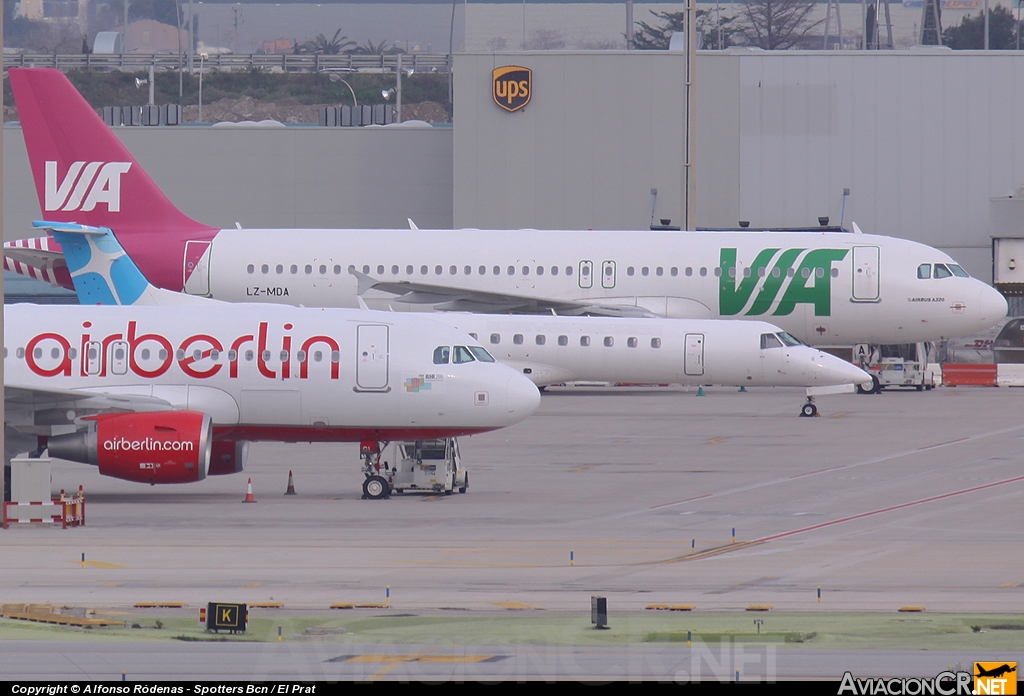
(856, 230)
(102, 272)
(412, 225)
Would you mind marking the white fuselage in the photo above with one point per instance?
(551, 350)
(824, 288)
(265, 372)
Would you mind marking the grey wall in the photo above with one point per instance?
(601, 130)
(923, 139)
(275, 177)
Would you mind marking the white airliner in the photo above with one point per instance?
(826, 289)
(171, 394)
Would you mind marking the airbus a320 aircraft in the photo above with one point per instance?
(827, 289)
(170, 395)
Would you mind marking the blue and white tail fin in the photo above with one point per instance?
(104, 274)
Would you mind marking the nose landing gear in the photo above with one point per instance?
(809, 410)
(377, 484)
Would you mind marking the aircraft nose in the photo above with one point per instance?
(992, 305)
(523, 398)
(837, 371)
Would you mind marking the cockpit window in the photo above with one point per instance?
(957, 271)
(770, 341)
(788, 339)
(942, 272)
(461, 355)
(924, 271)
(441, 355)
(481, 354)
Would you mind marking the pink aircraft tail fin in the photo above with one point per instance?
(83, 174)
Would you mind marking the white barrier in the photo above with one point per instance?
(1010, 375)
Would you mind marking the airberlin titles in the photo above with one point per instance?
(94, 355)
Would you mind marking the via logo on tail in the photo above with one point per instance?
(85, 185)
(806, 275)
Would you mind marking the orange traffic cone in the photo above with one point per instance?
(249, 498)
(291, 484)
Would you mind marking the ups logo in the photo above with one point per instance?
(511, 87)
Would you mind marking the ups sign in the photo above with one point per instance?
(511, 87)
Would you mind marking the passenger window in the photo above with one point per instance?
(629, 271)
(511, 270)
(366, 270)
(645, 271)
(517, 339)
(300, 356)
(294, 269)
(497, 270)
(394, 270)
(689, 271)
(266, 355)
(770, 341)
(568, 270)
(162, 354)
(655, 343)
(718, 272)
(526, 270)
(703, 271)
(335, 356)
(554, 270)
(835, 272)
(248, 355)
(21, 353)
(38, 353)
(468, 270)
(215, 355)
(337, 270)
(408, 270)
(309, 269)
(423, 270)
(461, 355)
(438, 270)
(441, 354)
(279, 269)
(541, 339)
(632, 342)
(250, 269)
(776, 272)
(563, 340)
(746, 272)
(790, 272)
(284, 356)
(232, 355)
(71, 353)
(761, 272)
(179, 354)
(453, 270)
(609, 341)
(55, 353)
(264, 269)
(675, 271)
(819, 272)
(659, 271)
(318, 356)
(584, 341)
(495, 339)
(941, 271)
(482, 270)
(805, 272)
(540, 270)
(380, 269)
(323, 270)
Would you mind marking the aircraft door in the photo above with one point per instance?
(372, 357)
(118, 358)
(693, 360)
(196, 280)
(865, 273)
(608, 274)
(586, 274)
(93, 357)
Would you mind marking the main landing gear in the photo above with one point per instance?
(377, 479)
(809, 410)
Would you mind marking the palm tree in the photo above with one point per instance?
(321, 44)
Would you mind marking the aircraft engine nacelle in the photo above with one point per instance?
(158, 447)
(228, 457)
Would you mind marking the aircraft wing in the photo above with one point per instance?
(38, 411)
(451, 299)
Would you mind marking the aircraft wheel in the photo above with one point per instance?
(875, 388)
(7, 484)
(465, 484)
(920, 387)
(808, 411)
(375, 488)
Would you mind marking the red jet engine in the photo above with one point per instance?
(156, 447)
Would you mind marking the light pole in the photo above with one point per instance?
(1018, 23)
(202, 58)
(335, 77)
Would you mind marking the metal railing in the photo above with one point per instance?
(288, 62)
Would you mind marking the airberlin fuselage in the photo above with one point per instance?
(269, 373)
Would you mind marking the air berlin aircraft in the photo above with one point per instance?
(827, 289)
(171, 394)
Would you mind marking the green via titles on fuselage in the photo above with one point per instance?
(801, 288)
